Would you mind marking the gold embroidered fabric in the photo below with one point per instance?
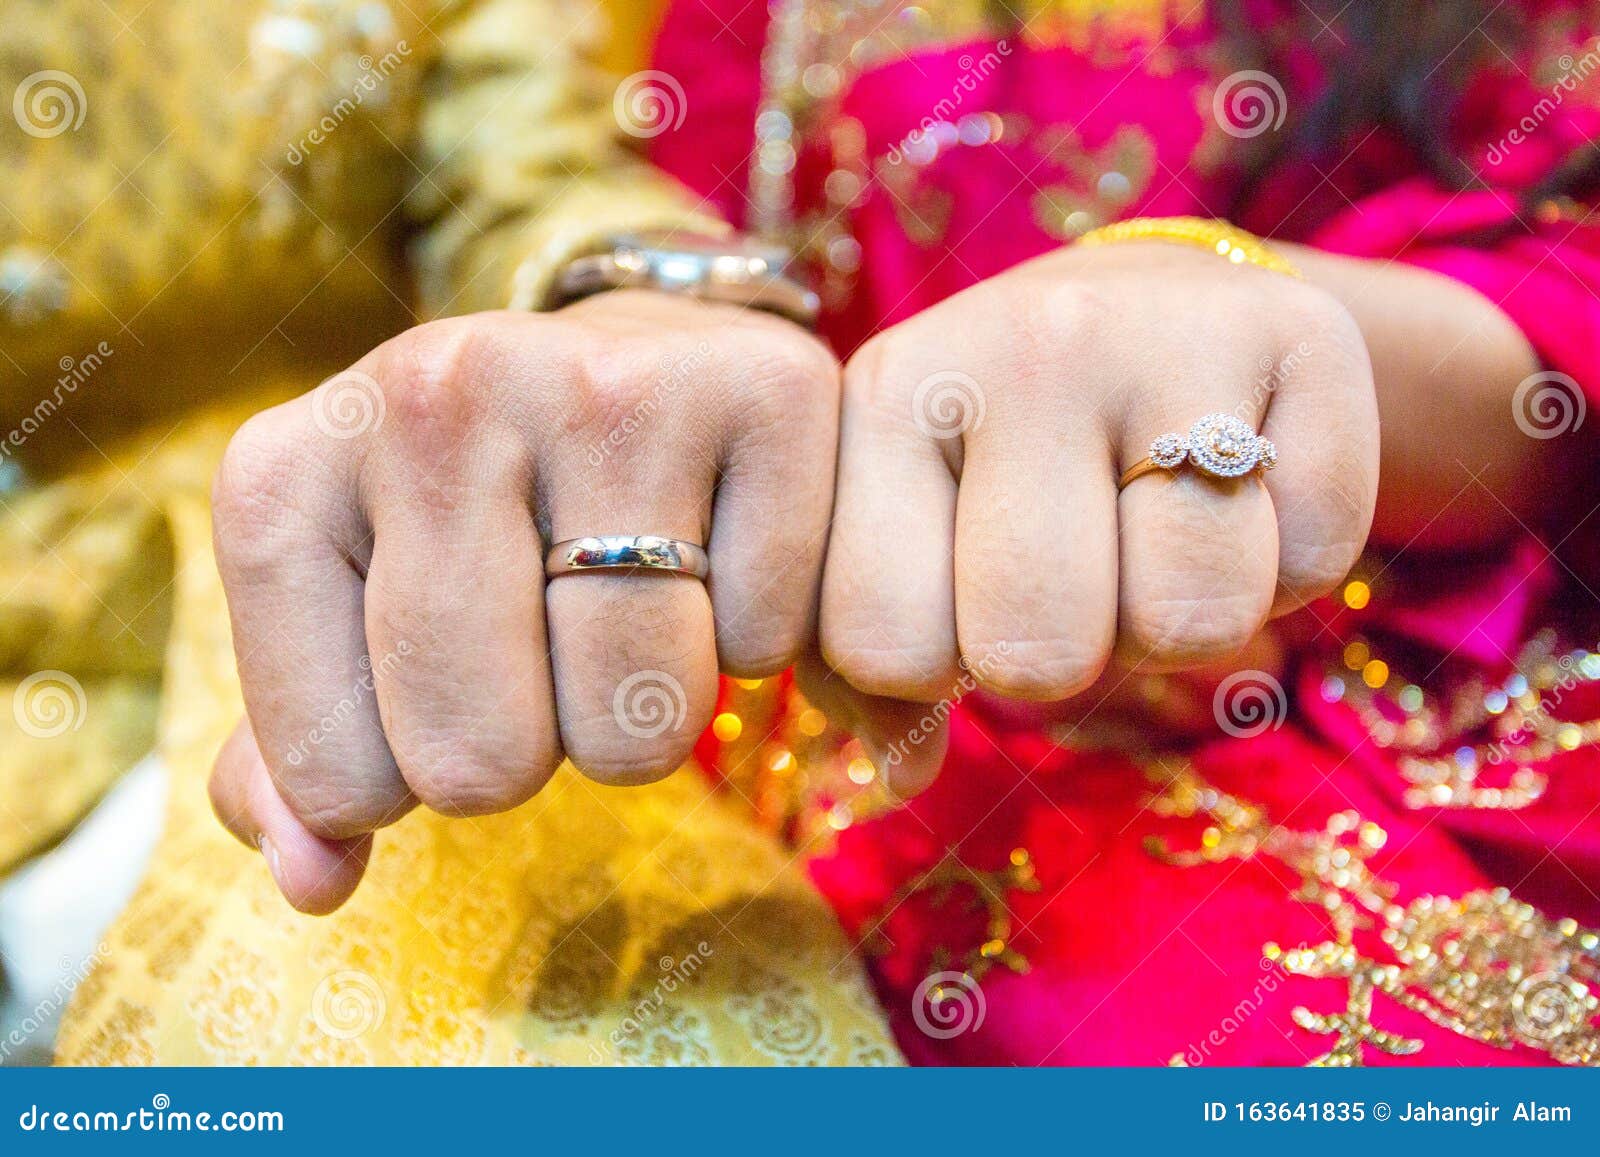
(1484, 965)
(210, 206)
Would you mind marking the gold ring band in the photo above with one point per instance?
(1139, 469)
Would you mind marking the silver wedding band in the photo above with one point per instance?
(627, 552)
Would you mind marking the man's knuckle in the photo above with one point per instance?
(607, 753)
(779, 388)
(468, 776)
(432, 389)
(258, 492)
(260, 462)
(754, 650)
(619, 386)
(335, 811)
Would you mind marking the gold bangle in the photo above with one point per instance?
(1227, 241)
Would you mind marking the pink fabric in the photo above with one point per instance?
(1131, 961)
(1134, 960)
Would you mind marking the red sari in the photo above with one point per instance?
(1389, 854)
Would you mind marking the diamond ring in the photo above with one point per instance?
(1218, 445)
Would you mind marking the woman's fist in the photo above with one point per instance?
(980, 538)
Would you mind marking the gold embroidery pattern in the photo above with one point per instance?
(990, 892)
(781, 1019)
(1485, 966)
(235, 1008)
(1098, 184)
(1446, 745)
(816, 47)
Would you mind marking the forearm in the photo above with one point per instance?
(1456, 468)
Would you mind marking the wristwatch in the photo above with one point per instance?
(735, 270)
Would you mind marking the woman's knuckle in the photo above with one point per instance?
(1310, 569)
(1189, 628)
(1037, 669)
(1311, 316)
(913, 671)
(881, 371)
(1069, 312)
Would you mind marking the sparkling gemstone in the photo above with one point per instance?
(1266, 453)
(1169, 451)
(1223, 446)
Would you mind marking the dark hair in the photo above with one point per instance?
(1399, 66)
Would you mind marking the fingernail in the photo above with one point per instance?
(274, 864)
